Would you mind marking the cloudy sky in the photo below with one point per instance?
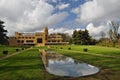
(59, 15)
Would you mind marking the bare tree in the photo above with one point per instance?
(113, 32)
(102, 34)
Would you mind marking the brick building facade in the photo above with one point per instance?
(37, 39)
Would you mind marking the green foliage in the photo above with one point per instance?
(24, 66)
(5, 52)
(3, 37)
(82, 37)
(10, 49)
(28, 65)
(85, 49)
(94, 55)
(69, 48)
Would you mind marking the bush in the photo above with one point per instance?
(17, 50)
(22, 48)
(5, 52)
(85, 50)
(69, 48)
(61, 48)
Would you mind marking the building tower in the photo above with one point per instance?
(46, 33)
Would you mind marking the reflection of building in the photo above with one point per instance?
(38, 39)
(48, 56)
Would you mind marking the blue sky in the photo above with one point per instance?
(59, 15)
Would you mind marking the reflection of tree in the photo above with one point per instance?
(57, 57)
(77, 62)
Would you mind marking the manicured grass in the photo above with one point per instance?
(24, 66)
(110, 66)
(92, 49)
(9, 49)
(102, 62)
(29, 66)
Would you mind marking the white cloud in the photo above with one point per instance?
(54, 1)
(96, 12)
(95, 31)
(93, 10)
(12, 9)
(62, 6)
(61, 30)
(28, 15)
(58, 17)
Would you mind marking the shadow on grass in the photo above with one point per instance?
(25, 58)
(20, 67)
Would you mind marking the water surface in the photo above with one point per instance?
(61, 65)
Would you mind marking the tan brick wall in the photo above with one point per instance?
(37, 39)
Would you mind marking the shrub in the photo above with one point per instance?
(61, 48)
(5, 52)
(69, 48)
(17, 50)
(85, 50)
(22, 48)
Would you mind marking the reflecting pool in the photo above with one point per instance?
(61, 65)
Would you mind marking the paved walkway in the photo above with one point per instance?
(5, 57)
(91, 53)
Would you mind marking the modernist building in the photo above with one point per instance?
(37, 39)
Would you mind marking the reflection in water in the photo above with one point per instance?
(60, 65)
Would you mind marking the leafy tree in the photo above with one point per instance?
(75, 37)
(82, 37)
(3, 37)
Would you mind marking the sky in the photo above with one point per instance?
(62, 16)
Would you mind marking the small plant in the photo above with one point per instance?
(85, 50)
(22, 48)
(69, 48)
(17, 50)
(5, 52)
(61, 48)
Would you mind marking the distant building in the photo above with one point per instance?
(36, 39)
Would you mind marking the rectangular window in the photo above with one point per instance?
(29, 41)
(39, 40)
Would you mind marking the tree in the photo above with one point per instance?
(75, 37)
(102, 34)
(3, 37)
(82, 37)
(113, 32)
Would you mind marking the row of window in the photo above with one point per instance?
(22, 41)
(54, 37)
(39, 35)
(53, 40)
(26, 37)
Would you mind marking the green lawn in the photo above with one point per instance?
(93, 49)
(9, 49)
(24, 66)
(28, 65)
